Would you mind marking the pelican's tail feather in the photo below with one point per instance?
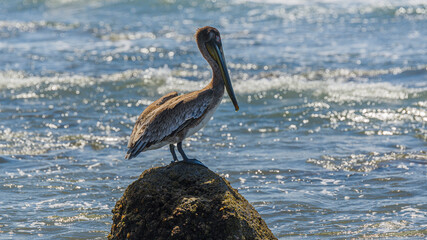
(128, 156)
(136, 149)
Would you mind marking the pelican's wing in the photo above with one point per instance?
(145, 116)
(165, 98)
(180, 113)
(168, 119)
(156, 104)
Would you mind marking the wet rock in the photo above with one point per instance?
(185, 201)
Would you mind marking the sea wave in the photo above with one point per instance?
(22, 26)
(31, 143)
(369, 161)
(340, 2)
(339, 85)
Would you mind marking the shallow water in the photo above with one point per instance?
(329, 142)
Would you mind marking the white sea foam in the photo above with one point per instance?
(30, 143)
(338, 85)
(30, 26)
(414, 212)
(335, 86)
(339, 2)
(363, 162)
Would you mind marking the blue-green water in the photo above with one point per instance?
(330, 141)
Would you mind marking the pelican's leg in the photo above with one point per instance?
(172, 149)
(186, 159)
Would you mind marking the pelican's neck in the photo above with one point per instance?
(217, 82)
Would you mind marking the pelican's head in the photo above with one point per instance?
(209, 42)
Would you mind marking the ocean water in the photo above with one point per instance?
(330, 141)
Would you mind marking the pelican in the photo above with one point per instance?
(173, 117)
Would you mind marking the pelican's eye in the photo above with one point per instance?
(211, 36)
(218, 38)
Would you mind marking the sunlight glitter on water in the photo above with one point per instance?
(329, 141)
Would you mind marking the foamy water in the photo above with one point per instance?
(329, 142)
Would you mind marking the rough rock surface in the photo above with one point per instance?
(185, 201)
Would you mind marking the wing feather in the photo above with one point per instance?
(172, 116)
(177, 116)
(145, 116)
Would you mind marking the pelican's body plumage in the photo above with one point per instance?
(174, 117)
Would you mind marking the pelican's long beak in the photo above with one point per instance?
(218, 56)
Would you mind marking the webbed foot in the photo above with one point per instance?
(194, 161)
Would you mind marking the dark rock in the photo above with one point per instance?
(185, 201)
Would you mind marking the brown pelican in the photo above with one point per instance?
(174, 117)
